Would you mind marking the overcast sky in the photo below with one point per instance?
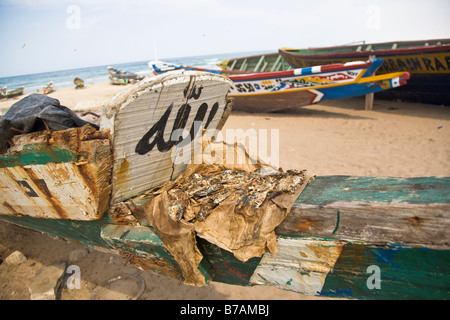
(49, 35)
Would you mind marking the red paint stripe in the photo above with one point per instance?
(360, 54)
(287, 73)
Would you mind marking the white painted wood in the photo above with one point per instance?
(132, 115)
(300, 265)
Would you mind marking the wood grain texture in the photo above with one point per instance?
(59, 174)
(412, 211)
(143, 120)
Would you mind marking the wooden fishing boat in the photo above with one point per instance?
(256, 63)
(121, 74)
(159, 67)
(344, 236)
(428, 62)
(280, 90)
(48, 88)
(79, 83)
(117, 81)
(3, 90)
(12, 93)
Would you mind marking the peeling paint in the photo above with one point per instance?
(301, 265)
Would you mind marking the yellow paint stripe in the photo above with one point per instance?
(357, 80)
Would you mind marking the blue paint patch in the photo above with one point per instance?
(342, 293)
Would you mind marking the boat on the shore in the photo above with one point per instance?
(5, 93)
(256, 63)
(120, 189)
(428, 62)
(117, 81)
(122, 74)
(79, 83)
(48, 88)
(2, 90)
(281, 90)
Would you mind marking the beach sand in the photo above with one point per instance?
(331, 138)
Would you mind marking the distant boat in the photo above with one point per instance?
(280, 90)
(160, 67)
(256, 63)
(117, 81)
(121, 74)
(428, 62)
(79, 83)
(2, 90)
(48, 88)
(11, 93)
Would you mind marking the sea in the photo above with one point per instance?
(99, 74)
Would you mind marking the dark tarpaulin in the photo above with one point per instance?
(30, 113)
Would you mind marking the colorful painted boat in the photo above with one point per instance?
(79, 83)
(280, 90)
(428, 62)
(48, 88)
(3, 90)
(159, 67)
(121, 74)
(256, 63)
(117, 81)
(350, 237)
(12, 93)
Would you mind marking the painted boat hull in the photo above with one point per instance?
(281, 90)
(79, 83)
(120, 74)
(256, 63)
(274, 91)
(13, 93)
(429, 65)
(346, 237)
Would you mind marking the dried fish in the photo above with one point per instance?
(205, 191)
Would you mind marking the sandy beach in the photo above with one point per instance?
(331, 138)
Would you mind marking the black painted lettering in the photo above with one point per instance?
(144, 145)
(194, 93)
(156, 133)
(212, 113)
(427, 63)
(401, 65)
(416, 63)
(447, 60)
(240, 87)
(438, 64)
(249, 87)
(392, 64)
(28, 190)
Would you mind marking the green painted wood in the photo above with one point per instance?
(87, 233)
(408, 271)
(35, 154)
(405, 273)
(225, 267)
(413, 211)
(375, 190)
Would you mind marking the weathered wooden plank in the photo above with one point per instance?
(154, 124)
(59, 174)
(144, 245)
(412, 211)
(324, 267)
(88, 233)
